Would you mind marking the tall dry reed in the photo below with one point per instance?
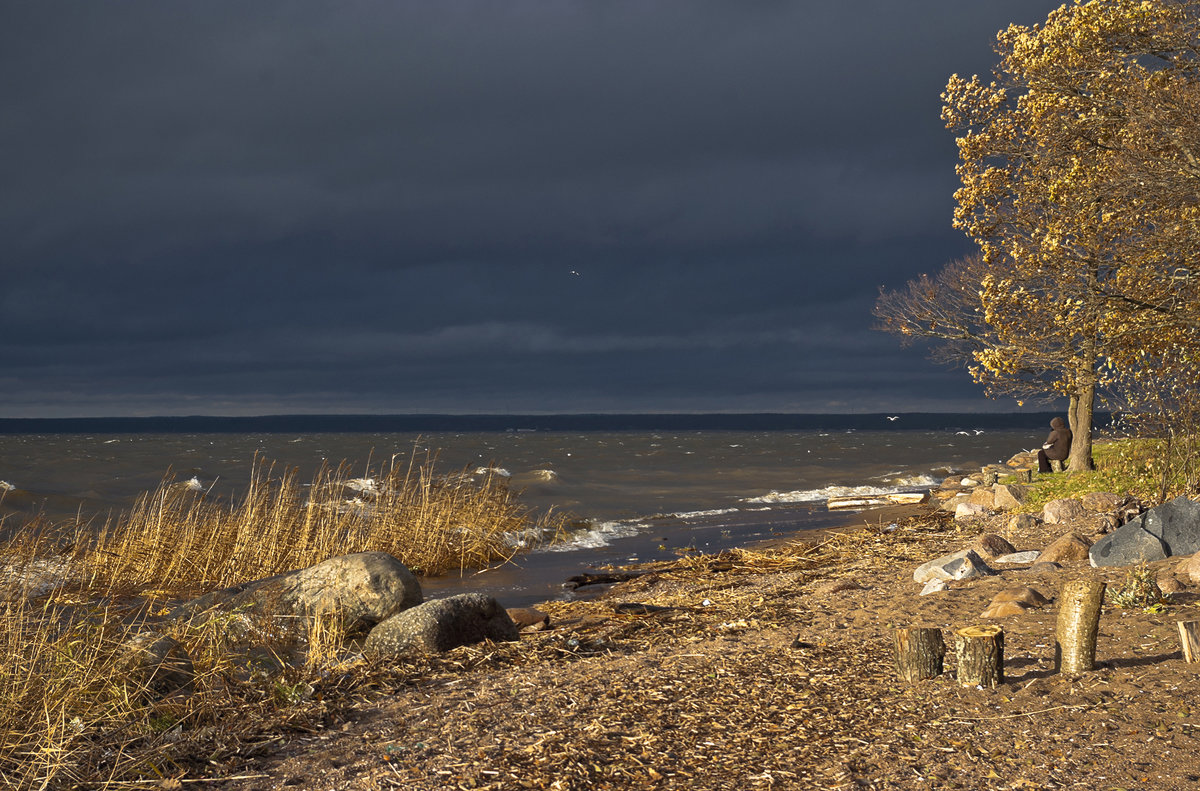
(179, 539)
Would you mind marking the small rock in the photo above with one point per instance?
(1057, 512)
(1020, 523)
(1028, 556)
(529, 619)
(1102, 501)
(964, 564)
(984, 497)
(156, 665)
(440, 625)
(990, 545)
(1023, 594)
(1008, 496)
(1168, 584)
(952, 504)
(1067, 548)
(1004, 609)
(968, 510)
(934, 586)
(1189, 568)
(1045, 567)
(837, 586)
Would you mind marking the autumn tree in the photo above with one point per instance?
(1053, 155)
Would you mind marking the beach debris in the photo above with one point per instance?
(870, 500)
(637, 608)
(964, 564)
(599, 578)
(440, 625)
(1066, 548)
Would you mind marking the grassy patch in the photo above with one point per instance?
(1126, 467)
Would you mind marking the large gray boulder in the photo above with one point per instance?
(440, 625)
(1169, 530)
(362, 589)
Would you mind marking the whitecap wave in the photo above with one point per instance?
(503, 473)
(697, 514)
(599, 534)
(544, 475)
(5, 486)
(193, 484)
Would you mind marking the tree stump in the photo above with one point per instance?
(919, 652)
(1189, 636)
(980, 655)
(1078, 624)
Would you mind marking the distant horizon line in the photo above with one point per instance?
(316, 423)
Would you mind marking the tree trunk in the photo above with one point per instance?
(919, 653)
(1078, 624)
(980, 656)
(1083, 408)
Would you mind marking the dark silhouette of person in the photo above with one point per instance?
(1057, 446)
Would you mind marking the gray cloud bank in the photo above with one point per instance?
(238, 208)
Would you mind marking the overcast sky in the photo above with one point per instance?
(475, 205)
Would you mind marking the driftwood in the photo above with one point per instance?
(1189, 636)
(980, 655)
(1078, 624)
(919, 652)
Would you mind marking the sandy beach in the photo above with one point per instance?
(772, 668)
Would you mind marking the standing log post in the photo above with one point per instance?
(1189, 636)
(1078, 624)
(919, 652)
(980, 656)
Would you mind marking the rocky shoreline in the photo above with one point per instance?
(773, 667)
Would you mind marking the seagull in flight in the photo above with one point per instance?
(893, 417)
(573, 272)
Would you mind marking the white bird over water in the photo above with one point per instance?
(893, 417)
(964, 433)
(573, 272)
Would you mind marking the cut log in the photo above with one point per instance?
(980, 656)
(1078, 624)
(919, 652)
(1189, 636)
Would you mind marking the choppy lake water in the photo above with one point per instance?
(644, 493)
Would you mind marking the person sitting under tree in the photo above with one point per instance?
(1056, 448)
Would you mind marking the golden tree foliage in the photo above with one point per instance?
(1079, 164)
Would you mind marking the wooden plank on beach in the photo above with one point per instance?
(873, 500)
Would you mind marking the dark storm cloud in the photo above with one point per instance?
(369, 206)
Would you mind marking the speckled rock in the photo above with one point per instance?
(440, 625)
(1067, 548)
